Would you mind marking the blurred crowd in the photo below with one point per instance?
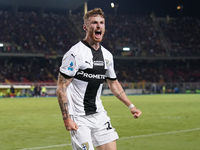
(183, 35)
(136, 32)
(28, 70)
(29, 32)
(160, 71)
(49, 33)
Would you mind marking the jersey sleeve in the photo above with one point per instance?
(69, 64)
(110, 73)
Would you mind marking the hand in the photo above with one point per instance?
(70, 124)
(136, 112)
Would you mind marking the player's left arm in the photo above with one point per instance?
(119, 92)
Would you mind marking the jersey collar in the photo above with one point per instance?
(86, 44)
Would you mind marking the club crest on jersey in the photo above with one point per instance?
(85, 146)
(71, 66)
(107, 62)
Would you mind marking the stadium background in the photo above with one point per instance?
(164, 50)
(164, 47)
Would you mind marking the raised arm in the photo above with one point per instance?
(62, 85)
(118, 91)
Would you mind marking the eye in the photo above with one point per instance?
(94, 22)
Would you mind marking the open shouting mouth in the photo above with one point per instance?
(98, 34)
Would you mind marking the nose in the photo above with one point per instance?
(98, 25)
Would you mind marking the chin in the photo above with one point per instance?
(98, 40)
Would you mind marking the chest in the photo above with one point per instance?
(94, 60)
(92, 67)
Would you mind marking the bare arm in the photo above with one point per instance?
(62, 85)
(118, 91)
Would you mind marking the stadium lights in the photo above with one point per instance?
(112, 5)
(1, 44)
(180, 7)
(126, 48)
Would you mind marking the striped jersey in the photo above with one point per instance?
(89, 69)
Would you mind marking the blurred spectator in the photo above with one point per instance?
(44, 91)
(37, 90)
(163, 89)
(8, 92)
(1, 94)
(12, 91)
(32, 90)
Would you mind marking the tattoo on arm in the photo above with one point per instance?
(62, 79)
(62, 97)
(63, 108)
(120, 94)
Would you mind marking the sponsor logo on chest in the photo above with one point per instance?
(90, 75)
(98, 63)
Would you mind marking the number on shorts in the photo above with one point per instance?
(109, 125)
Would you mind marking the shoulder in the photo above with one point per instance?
(106, 52)
(78, 45)
(77, 49)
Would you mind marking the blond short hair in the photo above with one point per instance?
(93, 12)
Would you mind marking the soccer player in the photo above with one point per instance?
(83, 70)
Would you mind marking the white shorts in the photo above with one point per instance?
(92, 130)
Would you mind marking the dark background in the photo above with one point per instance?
(161, 8)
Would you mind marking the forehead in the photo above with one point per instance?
(96, 18)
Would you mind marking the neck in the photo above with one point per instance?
(92, 43)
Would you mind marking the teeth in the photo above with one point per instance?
(98, 32)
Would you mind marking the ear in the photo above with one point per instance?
(84, 27)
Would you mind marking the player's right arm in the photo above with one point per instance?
(62, 84)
